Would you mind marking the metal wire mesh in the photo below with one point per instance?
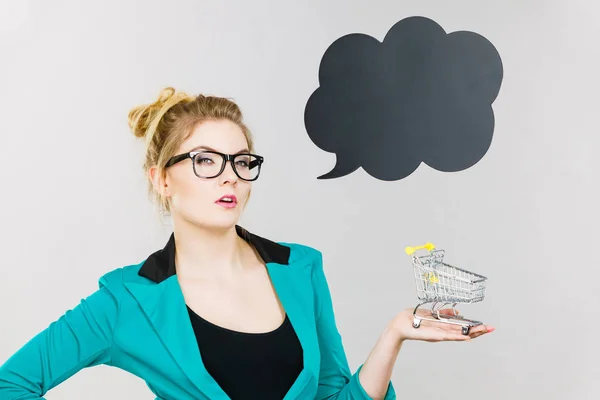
(437, 281)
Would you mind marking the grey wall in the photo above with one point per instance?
(74, 203)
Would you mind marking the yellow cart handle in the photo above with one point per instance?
(411, 250)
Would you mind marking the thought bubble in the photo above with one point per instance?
(421, 95)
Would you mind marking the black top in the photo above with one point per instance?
(249, 365)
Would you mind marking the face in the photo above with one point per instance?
(199, 200)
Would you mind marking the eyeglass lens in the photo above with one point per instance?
(209, 165)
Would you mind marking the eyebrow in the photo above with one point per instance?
(244, 150)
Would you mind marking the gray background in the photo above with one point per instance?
(74, 202)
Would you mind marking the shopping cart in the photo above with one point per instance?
(442, 284)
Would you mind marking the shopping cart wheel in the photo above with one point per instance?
(416, 322)
(466, 330)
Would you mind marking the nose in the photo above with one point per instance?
(228, 175)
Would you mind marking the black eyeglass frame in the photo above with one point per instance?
(226, 158)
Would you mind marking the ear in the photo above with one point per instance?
(159, 181)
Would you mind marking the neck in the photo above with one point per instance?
(207, 253)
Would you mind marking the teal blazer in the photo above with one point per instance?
(138, 321)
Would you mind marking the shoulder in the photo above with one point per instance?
(309, 259)
(116, 278)
(301, 252)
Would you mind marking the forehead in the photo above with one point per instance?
(221, 135)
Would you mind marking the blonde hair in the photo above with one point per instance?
(168, 121)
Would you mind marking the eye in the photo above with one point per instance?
(203, 160)
(242, 161)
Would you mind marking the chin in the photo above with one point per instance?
(222, 222)
(217, 221)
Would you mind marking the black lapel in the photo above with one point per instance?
(161, 265)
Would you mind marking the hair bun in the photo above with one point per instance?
(146, 116)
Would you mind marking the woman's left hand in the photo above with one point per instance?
(431, 331)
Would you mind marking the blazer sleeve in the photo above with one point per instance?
(80, 338)
(335, 378)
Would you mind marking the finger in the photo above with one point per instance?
(476, 335)
(485, 328)
(452, 328)
(455, 329)
(447, 327)
(424, 313)
(438, 334)
(449, 311)
(444, 311)
(480, 330)
(453, 336)
(458, 337)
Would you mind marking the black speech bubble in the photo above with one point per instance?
(421, 95)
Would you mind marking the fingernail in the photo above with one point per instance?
(491, 329)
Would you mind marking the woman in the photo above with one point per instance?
(219, 312)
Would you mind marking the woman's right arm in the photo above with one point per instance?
(81, 338)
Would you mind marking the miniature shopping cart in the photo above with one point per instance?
(442, 284)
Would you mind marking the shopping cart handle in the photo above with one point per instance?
(410, 250)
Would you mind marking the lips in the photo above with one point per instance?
(227, 201)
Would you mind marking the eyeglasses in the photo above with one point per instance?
(210, 164)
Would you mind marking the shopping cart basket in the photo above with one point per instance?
(442, 284)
